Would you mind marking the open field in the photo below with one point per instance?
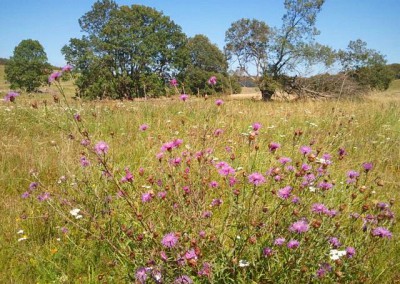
(123, 224)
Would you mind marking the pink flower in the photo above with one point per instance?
(382, 233)
(184, 97)
(10, 97)
(173, 82)
(305, 150)
(101, 148)
(299, 227)
(319, 208)
(143, 127)
(256, 179)
(273, 146)
(54, 76)
(66, 68)
(169, 240)
(292, 244)
(218, 132)
(219, 102)
(84, 162)
(212, 80)
(128, 176)
(256, 126)
(350, 252)
(147, 197)
(285, 192)
(279, 241)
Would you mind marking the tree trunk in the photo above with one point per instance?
(266, 95)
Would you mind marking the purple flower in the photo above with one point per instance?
(67, 68)
(10, 97)
(174, 82)
(382, 205)
(143, 127)
(77, 117)
(256, 126)
(305, 150)
(212, 80)
(184, 279)
(324, 185)
(219, 102)
(226, 171)
(350, 252)
(292, 244)
(205, 270)
(141, 275)
(184, 97)
(368, 166)
(342, 152)
(175, 161)
(318, 208)
(54, 76)
(295, 199)
(206, 214)
(284, 160)
(334, 242)
(323, 269)
(268, 251)
(147, 196)
(273, 146)
(279, 241)
(216, 202)
(213, 184)
(256, 179)
(285, 192)
(162, 194)
(33, 185)
(382, 233)
(190, 254)
(218, 132)
(352, 174)
(26, 194)
(128, 176)
(44, 196)
(84, 162)
(101, 148)
(85, 142)
(169, 240)
(305, 167)
(299, 227)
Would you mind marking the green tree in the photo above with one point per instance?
(28, 68)
(126, 52)
(367, 66)
(276, 52)
(205, 60)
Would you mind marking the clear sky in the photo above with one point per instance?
(53, 23)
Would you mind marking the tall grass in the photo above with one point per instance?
(120, 233)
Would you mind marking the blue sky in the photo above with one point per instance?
(53, 23)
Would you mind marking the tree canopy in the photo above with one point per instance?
(28, 68)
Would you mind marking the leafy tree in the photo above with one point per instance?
(277, 51)
(366, 66)
(126, 52)
(28, 67)
(205, 60)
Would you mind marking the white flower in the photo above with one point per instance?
(243, 263)
(20, 232)
(312, 188)
(335, 254)
(23, 238)
(75, 212)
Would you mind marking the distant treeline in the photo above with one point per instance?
(3, 61)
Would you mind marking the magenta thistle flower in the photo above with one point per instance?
(318, 208)
(218, 132)
(147, 196)
(305, 150)
(85, 142)
(184, 97)
(128, 176)
(352, 174)
(342, 152)
(141, 275)
(101, 148)
(169, 240)
(67, 68)
(26, 194)
(162, 194)
(54, 76)
(323, 269)
(268, 251)
(184, 279)
(292, 244)
(299, 227)
(285, 192)
(168, 146)
(205, 270)
(190, 254)
(174, 82)
(382, 233)
(10, 97)
(334, 242)
(273, 146)
(350, 252)
(44, 196)
(216, 202)
(256, 179)
(368, 166)
(219, 102)
(324, 185)
(213, 184)
(84, 162)
(256, 126)
(212, 80)
(279, 241)
(284, 160)
(33, 185)
(143, 127)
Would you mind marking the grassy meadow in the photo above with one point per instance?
(72, 213)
